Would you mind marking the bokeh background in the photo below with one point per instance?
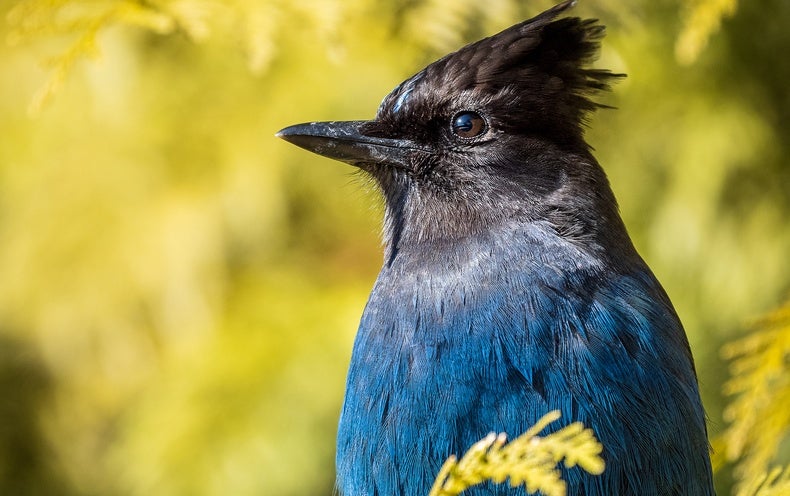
(179, 290)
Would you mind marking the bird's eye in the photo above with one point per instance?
(468, 124)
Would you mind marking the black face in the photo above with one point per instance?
(469, 145)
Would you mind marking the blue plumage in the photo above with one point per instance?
(510, 287)
(486, 338)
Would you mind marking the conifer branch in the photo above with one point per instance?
(528, 460)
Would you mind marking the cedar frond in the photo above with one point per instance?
(528, 460)
(759, 414)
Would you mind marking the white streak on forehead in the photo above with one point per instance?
(403, 91)
(402, 98)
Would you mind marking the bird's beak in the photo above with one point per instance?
(345, 141)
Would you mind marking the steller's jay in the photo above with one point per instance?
(509, 286)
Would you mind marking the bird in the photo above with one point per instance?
(509, 285)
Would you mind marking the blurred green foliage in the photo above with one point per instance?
(179, 290)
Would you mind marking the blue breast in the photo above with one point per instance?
(490, 338)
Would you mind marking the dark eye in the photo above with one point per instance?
(468, 124)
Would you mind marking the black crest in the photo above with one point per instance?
(538, 66)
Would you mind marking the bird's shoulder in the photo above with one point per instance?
(535, 295)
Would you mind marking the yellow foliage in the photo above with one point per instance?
(253, 24)
(528, 460)
(759, 414)
(775, 483)
(702, 19)
(83, 20)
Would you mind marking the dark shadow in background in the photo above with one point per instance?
(27, 462)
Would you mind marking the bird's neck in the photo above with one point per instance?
(419, 219)
(517, 238)
(514, 246)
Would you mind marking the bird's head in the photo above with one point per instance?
(490, 134)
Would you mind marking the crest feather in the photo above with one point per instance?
(542, 61)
